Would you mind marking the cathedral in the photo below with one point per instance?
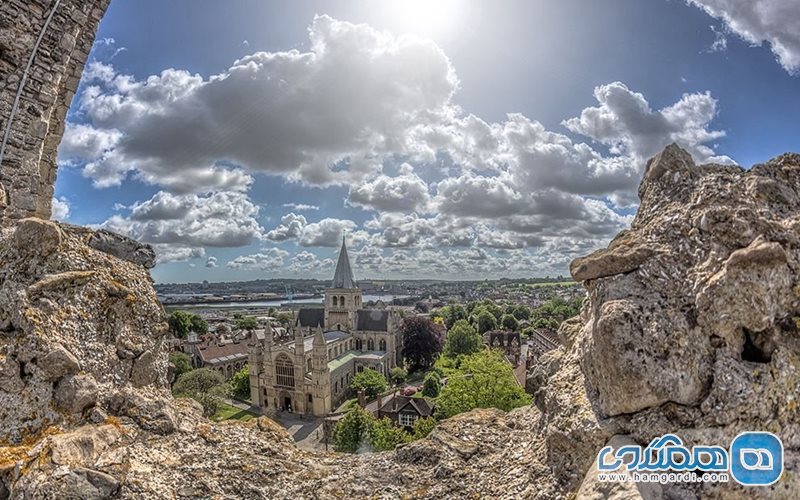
(310, 369)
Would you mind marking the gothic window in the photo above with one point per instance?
(310, 399)
(383, 345)
(336, 387)
(284, 371)
(359, 345)
(335, 301)
(341, 300)
(370, 345)
(360, 369)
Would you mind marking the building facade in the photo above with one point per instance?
(311, 370)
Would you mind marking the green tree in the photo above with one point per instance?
(398, 375)
(204, 385)
(180, 323)
(423, 427)
(431, 385)
(384, 435)
(422, 341)
(486, 321)
(462, 338)
(181, 361)
(248, 323)
(522, 312)
(240, 384)
(369, 381)
(199, 325)
(351, 430)
(452, 313)
(285, 318)
(486, 380)
(509, 322)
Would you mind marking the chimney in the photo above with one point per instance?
(361, 400)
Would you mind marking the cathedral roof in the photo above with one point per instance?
(311, 317)
(373, 320)
(343, 277)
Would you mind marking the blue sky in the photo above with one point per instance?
(448, 139)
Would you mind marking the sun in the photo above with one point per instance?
(425, 18)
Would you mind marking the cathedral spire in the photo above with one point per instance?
(343, 277)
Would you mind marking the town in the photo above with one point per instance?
(352, 375)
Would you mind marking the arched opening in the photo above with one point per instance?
(359, 345)
(370, 345)
(335, 301)
(382, 345)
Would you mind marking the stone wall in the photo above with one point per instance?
(55, 37)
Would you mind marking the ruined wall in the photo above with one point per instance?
(43, 47)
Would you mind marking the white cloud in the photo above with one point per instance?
(267, 260)
(776, 22)
(306, 263)
(320, 116)
(291, 227)
(60, 210)
(406, 192)
(300, 207)
(326, 233)
(181, 226)
(212, 262)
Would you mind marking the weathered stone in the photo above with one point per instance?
(83, 446)
(594, 489)
(615, 260)
(37, 237)
(144, 371)
(59, 362)
(76, 393)
(123, 247)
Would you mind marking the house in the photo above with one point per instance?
(403, 411)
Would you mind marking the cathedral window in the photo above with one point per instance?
(359, 344)
(284, 372)
(370, 345)
(335, 301)
(341, 300)
(383, 345)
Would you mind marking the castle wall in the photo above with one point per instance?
(43, 47)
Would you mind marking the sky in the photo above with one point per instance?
(448, 139)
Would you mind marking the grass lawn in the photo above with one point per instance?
(228, 412)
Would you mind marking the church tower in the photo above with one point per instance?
(343, 298)
(320, 376)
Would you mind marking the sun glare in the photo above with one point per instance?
(426, 18)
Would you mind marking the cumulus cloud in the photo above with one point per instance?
(319, 116)
(60, 209)
(406, 192)
(291, 227)
(212, 262)
(306, 263)
(347, 110)
(183, 225)
(776, 22)
(326, 233)
(267, 260)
